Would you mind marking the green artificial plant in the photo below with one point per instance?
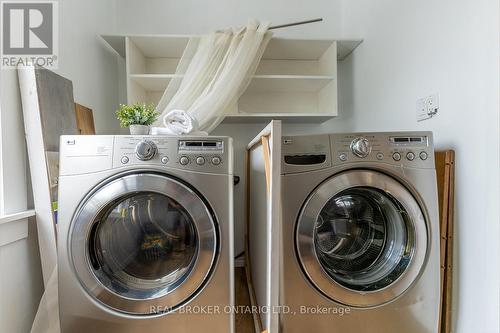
(136, 114)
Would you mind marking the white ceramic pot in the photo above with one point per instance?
(139, 129)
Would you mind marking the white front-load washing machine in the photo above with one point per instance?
(145, 233)
(360, 242)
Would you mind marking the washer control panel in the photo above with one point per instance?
(413, 149)
(207, 154)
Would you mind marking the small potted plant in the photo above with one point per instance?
(137, 117)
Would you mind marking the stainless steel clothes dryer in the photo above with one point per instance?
(360, 239)
(145, 234)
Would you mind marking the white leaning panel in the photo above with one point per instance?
(264, 221)
(39, 171)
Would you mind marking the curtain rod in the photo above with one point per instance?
(295, 23)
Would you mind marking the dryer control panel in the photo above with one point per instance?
(411, 149)
(84, 154)
(205, 154)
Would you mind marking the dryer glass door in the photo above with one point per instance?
(144, 243)
(366, 235)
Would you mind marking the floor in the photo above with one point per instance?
(244, 322)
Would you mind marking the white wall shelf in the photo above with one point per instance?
(296, 80)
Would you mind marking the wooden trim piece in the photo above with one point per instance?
(445, 174)
(267, 163)
(442, 198)
(450, 163)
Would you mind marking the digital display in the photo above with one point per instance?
(201, 145)
(408, 139)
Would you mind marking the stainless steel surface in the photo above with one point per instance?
(92, 161)
(145, 150)
(308, 256)
(416, 309)
(360, 147)
(141, 300)
(294, 24)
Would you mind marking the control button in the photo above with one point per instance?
(124, 160)
(145, 150)
(216, 160)
(396, 156)
(410, 156)
(184, 160)
(200, 160)
(423, 155)
(164, 160)
(380, 156)
(343, 157)
(360, 147)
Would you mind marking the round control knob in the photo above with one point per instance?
(360, 147)
(423, 155)
(380, 156)
(200, 160)
(145, 150)
(343, 157)
(184, 160)
(124, 160)
(164, 160)
(410, 156)
(216, 160)
(396, 156)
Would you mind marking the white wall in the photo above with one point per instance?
(87, 61)
(415, 48)
(93, 70)
(21, 284)
(196, 17)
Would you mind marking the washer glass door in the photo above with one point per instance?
(144, 246)
(143, 243)
(361, 238)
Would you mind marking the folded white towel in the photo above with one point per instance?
(177, 122)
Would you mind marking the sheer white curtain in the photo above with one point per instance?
(213, 73)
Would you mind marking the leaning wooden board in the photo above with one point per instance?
(84, 120)
(445, 172)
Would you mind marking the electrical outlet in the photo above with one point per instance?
(432, 104)
(427, 107)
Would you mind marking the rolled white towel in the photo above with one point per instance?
(178, 122)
